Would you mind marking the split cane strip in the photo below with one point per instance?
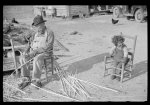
(22, 65)
(78, 87)
(81, 89)
(55, 93)
(68, 93)
(95, 85)
(40, 99)
(14, 87)
(73, 87)
(64, 86)
(62, 81)
(75, 90)
(66, 81)
(30, 99)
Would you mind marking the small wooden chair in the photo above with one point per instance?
(124, 69)
(49, 60)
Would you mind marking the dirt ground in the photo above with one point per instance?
(87, 50)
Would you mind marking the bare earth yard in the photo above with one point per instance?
(90, 45)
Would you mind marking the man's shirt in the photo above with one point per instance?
(42, 43)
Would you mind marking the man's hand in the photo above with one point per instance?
(26, 55)
(32, 54)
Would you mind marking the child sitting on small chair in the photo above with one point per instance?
(119, 53)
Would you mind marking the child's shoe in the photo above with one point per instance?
(113, 77)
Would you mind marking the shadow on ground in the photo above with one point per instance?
(86, 64)
(138, 69)
(81, 66)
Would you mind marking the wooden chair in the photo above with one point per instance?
(46, 60)
(124, 69)
(49, 60)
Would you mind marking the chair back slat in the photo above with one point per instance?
(132, 50)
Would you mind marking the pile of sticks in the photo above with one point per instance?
(73, 88)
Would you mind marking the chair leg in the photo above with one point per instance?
(46, 72)
(52, 63)
(122, 72)
(105, 66)
(105, 70)
(130, 71)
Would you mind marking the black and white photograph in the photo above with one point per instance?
(75, 53)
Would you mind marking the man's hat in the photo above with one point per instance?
(38, 20)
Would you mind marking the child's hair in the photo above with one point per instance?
(117, 38)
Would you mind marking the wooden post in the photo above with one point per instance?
(105, 65)
(134, 45)
(13, 51)
(52, 62)
(122, 72)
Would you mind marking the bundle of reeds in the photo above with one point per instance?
(72, 87)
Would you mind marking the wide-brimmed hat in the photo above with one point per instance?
(38, 20)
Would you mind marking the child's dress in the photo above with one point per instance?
(118, 55)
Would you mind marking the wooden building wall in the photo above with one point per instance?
(70, 10)
(77, 9)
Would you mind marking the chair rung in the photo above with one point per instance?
(117, 75)
(108, 62)
(130, 64)
(127, 70)
(109, 68)
(116, 68)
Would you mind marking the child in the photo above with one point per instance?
(119, 53)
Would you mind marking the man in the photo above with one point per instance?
(40, 46)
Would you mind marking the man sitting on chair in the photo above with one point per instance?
(40, 47)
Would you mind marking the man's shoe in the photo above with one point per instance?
(38, 84)
(113, 77)
(25, 82)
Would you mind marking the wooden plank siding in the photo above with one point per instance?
(61, 10)
(69, 11)
(76, 10)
